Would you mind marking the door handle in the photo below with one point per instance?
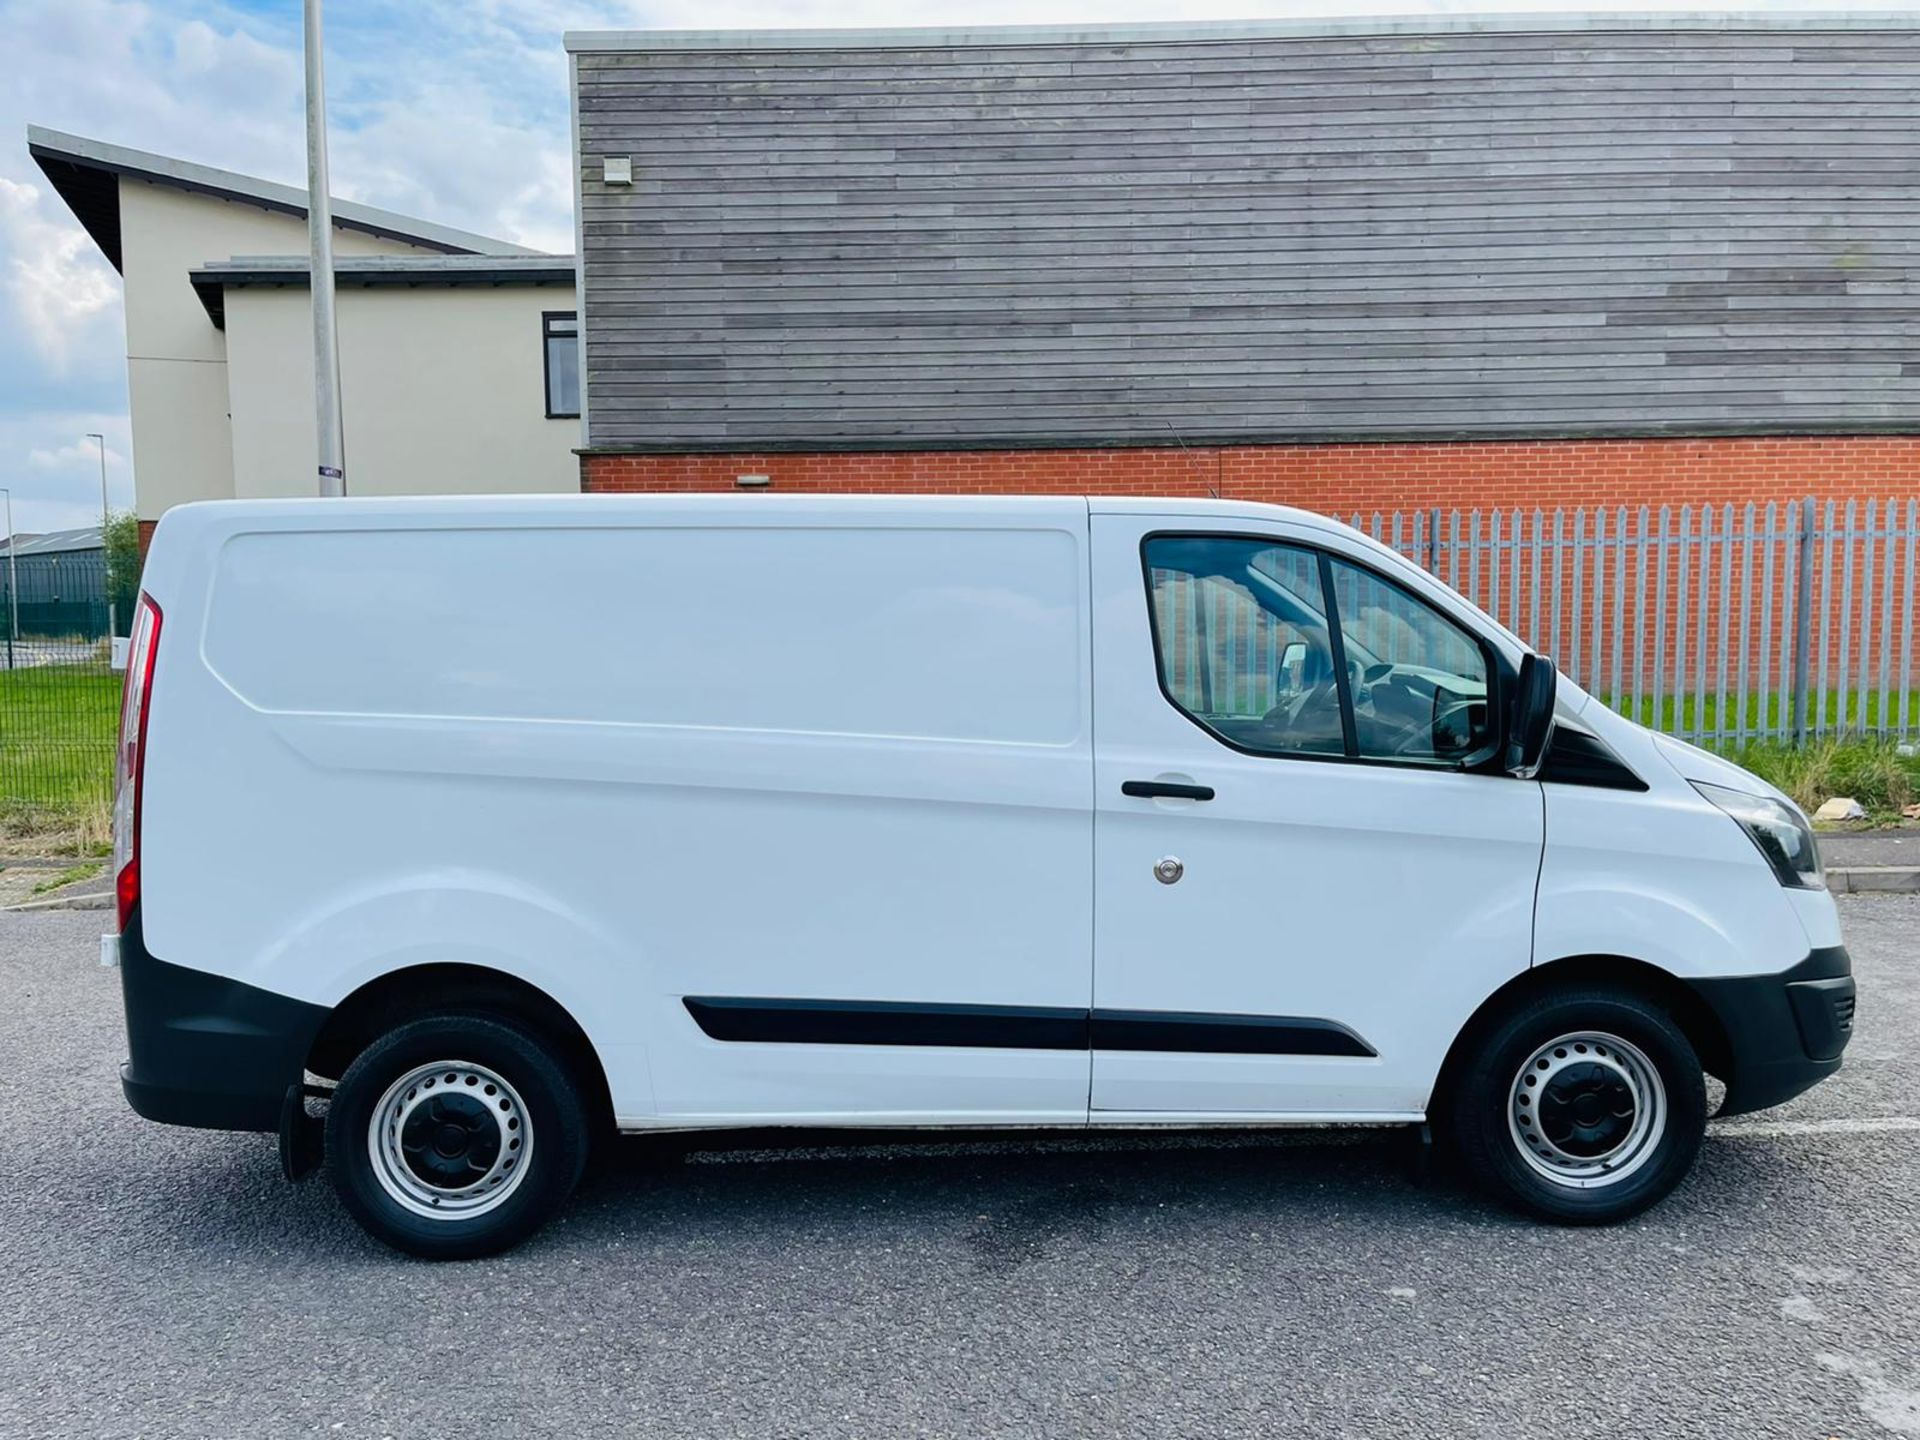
(1165, 790)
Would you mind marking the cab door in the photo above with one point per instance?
(1309, 869)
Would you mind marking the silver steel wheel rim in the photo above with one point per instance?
(1587, 1110)
(419, 1161)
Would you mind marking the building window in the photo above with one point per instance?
(561, 329)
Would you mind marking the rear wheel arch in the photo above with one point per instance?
(1694, 1017)
(391, 1000)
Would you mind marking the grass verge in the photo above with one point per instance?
(1723, 718)
(57, 725)
(73, 874)
(81, 831)
(1866, 769)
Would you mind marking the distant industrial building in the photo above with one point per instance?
(62, 580)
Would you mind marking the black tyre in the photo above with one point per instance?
(456, 1136)
(1583, 1106)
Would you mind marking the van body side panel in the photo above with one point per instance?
(1660, 876)
(1819, 917)
(1659, 879)
(748, 750)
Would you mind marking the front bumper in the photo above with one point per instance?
(207, 1051)
(1784, 1032)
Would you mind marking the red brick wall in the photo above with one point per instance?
(1336, 478)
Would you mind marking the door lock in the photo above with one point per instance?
(1168, 870)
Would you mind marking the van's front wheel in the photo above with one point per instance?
(1583, 1107)
(455, 1136)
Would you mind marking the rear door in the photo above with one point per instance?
(1308, 874)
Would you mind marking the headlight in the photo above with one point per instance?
(1781, 832)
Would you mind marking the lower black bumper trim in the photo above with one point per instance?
(206, 1051)
(1785, 1032)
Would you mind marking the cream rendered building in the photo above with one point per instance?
(459, 357)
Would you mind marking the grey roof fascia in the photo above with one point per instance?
(60, 155)
(211, 281)
(1180, 31)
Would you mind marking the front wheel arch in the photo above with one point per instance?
(1692, 1014)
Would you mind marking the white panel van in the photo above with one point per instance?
(497, 824)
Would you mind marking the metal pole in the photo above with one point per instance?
(1802, 620)
(326, 347)
(106, 521)
(13, 582)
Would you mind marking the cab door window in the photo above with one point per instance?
(1282, 650)
(1243, 644)
(1418, 681)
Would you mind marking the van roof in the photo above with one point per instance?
(719, 506)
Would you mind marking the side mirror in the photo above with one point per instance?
(1293, 657)
(1530, 718)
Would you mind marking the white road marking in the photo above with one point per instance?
(1775, 1129)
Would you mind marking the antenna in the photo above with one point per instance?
(1213, 485)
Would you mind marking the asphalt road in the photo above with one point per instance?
(161, 1282)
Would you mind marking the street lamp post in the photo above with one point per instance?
(106, 521)
(332, 445)
(13, 582)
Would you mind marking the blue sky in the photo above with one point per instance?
(455, 112)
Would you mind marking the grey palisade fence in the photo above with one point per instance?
(1719, 623)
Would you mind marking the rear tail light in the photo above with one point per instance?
(130, 757)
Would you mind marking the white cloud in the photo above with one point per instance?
(245, 71)
(65, 294)
(66, 457)
(54, 471)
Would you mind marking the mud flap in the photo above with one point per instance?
(302, 1136)
(1419, 1154)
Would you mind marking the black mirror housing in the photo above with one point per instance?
(1530, 718)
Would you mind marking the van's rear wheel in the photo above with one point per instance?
(1582, 1106)
(455, 1136)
